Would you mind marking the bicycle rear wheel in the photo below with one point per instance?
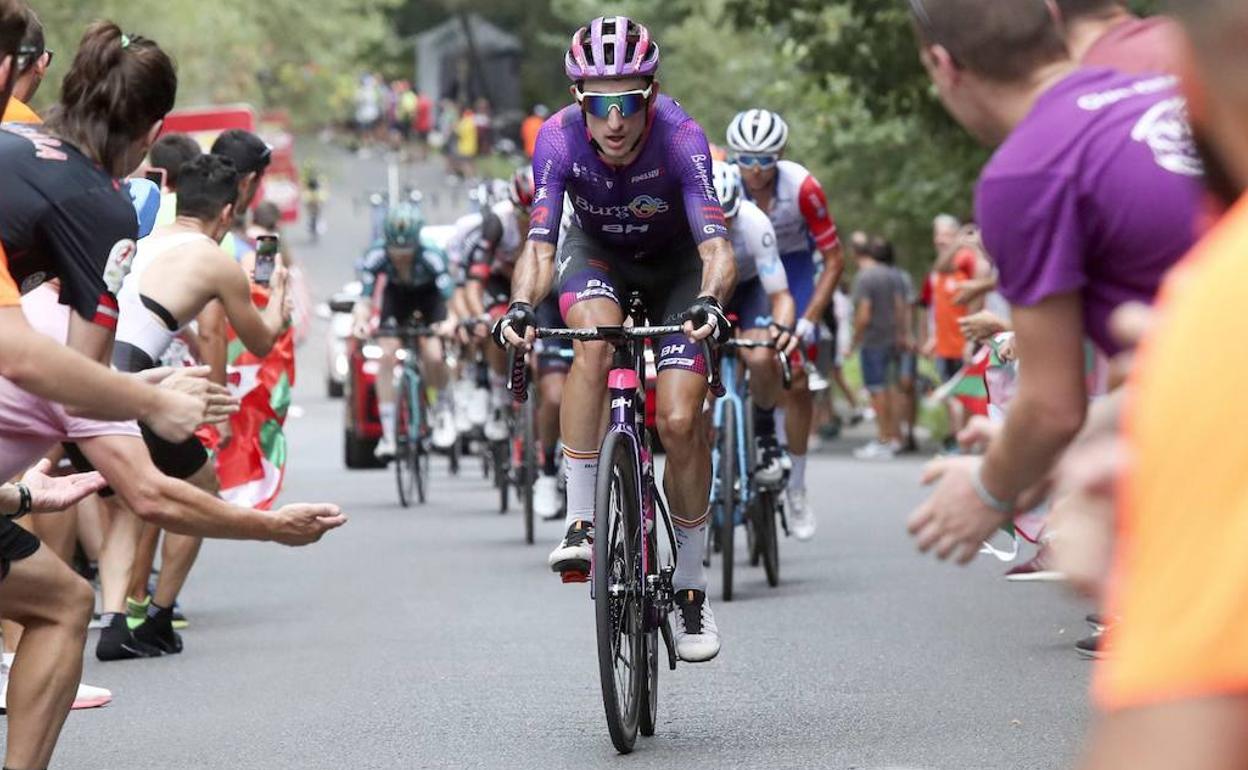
(404, 450)
(768, 540)
(618, 591)
(500, 454)
(419, 444)
(727, 495)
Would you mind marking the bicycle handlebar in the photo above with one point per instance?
(786, 366)
(612, 334)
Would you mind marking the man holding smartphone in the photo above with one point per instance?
(179, 269)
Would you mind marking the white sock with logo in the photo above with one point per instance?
(690, 546)
(386, 413)
(581, 473)
(797, 477)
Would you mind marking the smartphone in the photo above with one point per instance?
(156, 175)
(266, 259)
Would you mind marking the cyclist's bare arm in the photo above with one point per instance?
(44, 367)
(534, 273)
(833, 266)
(783, 308)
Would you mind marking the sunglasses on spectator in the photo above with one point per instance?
(628, 103)
(756, 161)
(27, 55)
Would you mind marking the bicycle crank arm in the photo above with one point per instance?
(669, 642)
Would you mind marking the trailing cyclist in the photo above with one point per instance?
(765, 310)
(491, 261)
(646, 218)
(793, 200)
(403, 276)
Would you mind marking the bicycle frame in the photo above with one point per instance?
(734, 398)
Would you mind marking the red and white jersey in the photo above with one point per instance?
(799, 212)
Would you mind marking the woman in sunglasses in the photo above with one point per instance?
(637, 171)
(811, 252)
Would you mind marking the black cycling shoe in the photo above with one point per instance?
(575, 550)
(773, 463)
(157, 631)
(117, 642)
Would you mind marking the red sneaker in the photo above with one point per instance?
(1036, 570)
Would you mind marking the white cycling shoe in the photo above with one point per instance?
(385, 449)
(697, 637)
(496, 427)
(546, 502)
(575, 550)
(801, 519)
(444, 433)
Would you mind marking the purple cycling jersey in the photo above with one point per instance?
(639, 208)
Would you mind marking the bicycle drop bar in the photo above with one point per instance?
(786, 367)
(615, 335)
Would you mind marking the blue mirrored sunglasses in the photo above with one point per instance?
(761, 161)
(629, 103)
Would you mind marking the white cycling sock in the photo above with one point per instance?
(782, 429)
(797, 477)
(690, 545)
(581, 472)
(386, 412)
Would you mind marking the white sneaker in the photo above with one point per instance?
(479, 406)
(444, 433)
(697, 638)
(575, 550)
(496, 428)
(90, 697)
(816, 382)
(546, 502)
(801, 519)
(463, 398)
(875, 450)
(385, 449)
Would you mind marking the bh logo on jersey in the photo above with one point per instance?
(646, 206)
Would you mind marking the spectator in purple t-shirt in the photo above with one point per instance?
(1090, 198)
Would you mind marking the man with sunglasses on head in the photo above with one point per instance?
(791, 196)
(646, 218)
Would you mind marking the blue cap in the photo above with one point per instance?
(145, 195)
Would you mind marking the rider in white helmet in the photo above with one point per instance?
(764, 310)
(806, 234)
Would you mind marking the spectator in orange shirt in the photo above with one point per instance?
(529, 128)
(33, 61)
(955, 264)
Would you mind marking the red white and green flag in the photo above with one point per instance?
(252, 465)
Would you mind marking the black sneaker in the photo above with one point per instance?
(157, 631)
(117, 642)
(1091, 647)
(575, 550)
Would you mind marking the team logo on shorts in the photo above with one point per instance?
(646, 206)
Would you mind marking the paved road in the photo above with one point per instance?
(433, 637)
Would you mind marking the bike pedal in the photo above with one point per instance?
(574, 576)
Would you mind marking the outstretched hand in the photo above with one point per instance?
(49, 494)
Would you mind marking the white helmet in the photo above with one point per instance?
(727, 186)
(756, 131)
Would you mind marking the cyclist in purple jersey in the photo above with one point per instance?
(637, 171)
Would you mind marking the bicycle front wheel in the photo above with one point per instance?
(405, 441)
(618, 591)
(727, 495)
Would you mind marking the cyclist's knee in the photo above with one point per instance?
(678, 425)
(593, 359)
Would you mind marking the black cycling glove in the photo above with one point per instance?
(519, 317)
(707, 310)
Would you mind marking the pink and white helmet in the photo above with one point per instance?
(612, 47)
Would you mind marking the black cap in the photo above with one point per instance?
(248, 152)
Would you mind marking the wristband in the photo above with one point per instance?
(24, 504)
(986, 497)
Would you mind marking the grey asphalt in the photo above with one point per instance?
(433, 637)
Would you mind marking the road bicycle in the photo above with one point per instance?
(630, 576)
(736, 498)
(411, 415)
